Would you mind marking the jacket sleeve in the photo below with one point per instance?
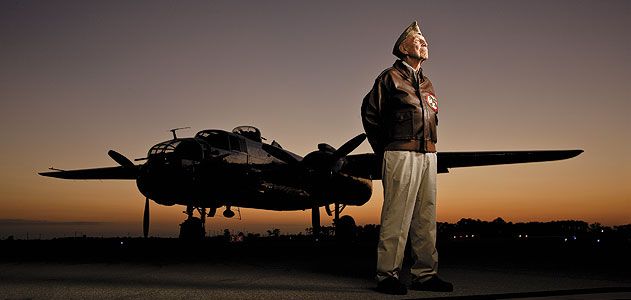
(372, 116)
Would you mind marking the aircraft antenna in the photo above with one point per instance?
(176, 129)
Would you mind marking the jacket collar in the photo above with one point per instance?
(407, 71)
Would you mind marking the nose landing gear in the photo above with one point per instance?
(193, 228)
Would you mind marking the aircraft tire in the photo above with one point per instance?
(346, 229)
(192, 229)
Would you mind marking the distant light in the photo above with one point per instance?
(598, 241)
(602, 230)
(121, 243)
(455, 237)
(565, 240)
(467, 235)
(574, 237)
(520, 235)
(473, 235)
(526, 235)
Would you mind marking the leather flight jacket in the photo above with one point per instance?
(401, 111)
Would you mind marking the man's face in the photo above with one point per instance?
(415, 46)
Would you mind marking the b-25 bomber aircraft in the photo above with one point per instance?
(216, 168)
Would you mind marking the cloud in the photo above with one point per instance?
(22, 222)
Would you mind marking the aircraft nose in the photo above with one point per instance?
(189, 149)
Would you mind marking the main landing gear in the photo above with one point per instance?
(345, 227)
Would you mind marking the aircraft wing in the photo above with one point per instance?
(367, 166)
(447, 160)
(120, 172)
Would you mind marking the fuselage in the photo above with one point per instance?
(217, 168)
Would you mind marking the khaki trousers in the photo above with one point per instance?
(409, 206)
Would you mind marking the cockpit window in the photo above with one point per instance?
(166, 147)
(249, 132)
(215, 139)
(185, 149)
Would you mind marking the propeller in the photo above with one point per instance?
(344, 150)
(326, 157)
(349, 146)
(315, 221)
(145, 219)
(322, 164)
(120, 159)
(125, 162)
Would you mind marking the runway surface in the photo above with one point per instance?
(275, 270)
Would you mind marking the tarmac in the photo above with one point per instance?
(168, 269)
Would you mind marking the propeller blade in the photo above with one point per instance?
(315, 221)
(349, 146)
(145, 219)
(120, 159)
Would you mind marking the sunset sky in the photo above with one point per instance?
(78, 78)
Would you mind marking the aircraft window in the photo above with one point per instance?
(166, 147)
(215, 139)
(249, 132)
(187, 149)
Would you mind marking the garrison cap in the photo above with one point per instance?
(412, 29)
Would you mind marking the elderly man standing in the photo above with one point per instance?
(400, 115)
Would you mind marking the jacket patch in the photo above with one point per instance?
(432, 102)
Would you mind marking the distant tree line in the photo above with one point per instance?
(498, 228)
(475, 229)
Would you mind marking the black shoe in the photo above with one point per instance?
(392, 286)
(434, 284)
